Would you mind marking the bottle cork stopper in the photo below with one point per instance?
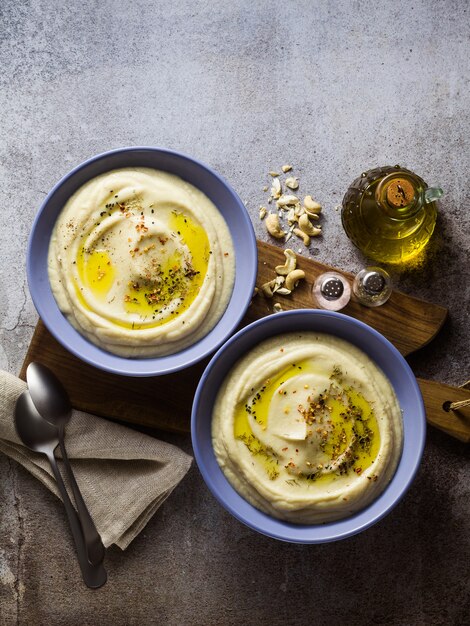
(400, 192)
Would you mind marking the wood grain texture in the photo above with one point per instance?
(165, 402)
(408, 322)
(158, 402)
(455, 423)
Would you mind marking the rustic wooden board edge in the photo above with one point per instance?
(454, 423)
(30, 352)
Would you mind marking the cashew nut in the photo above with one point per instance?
(283, 291)
(271, 287)
(312, 216)
(277, 308)
(276, 189)
(287, 200)
(291, 216)
(267, 289)
(293, 278)
(273, 227)
(300, 233)
(286, 168)
(292, 182)
(262, 212)
(311, 206)
(306, 225)
(289, 265)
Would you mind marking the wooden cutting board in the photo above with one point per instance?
(164, 402)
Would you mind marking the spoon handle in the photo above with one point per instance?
(94, 576)
(94, 546)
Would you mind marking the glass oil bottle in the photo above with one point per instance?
(390, 213)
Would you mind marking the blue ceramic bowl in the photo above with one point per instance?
(199, 175)
(381, 351)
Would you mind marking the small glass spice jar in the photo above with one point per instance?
(372, 286)
(331, 291)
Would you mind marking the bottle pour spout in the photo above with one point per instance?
(432, 193)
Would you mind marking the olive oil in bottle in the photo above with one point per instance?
(390, 213)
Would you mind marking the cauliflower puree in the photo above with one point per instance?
(307, 428)
(141, 262)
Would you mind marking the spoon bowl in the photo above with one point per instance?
(48, 394)
(32, 429)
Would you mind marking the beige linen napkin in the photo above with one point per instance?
(124, 476)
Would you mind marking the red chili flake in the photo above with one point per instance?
(284, 449)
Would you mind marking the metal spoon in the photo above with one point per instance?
(40, 436)
(52, 402)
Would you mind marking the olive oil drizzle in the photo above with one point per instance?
(173, 285)
(352, 440)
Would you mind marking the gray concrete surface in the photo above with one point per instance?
(334, 88)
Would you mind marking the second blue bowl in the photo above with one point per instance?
(381, 351)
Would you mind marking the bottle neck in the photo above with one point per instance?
(400, 195)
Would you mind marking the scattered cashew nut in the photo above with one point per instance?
(311, 206)
(299, 215)
(287, 200)
(267, 289)
(273, 227)
(284, 292)
(293, 278)
(300, 233)
(291, 216)
(312, 216)
(289, 265)
(292, 182)
(306, 225)
(278, 282)
(272, 287)
(276, 189)
(277, 308)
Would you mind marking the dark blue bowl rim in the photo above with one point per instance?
(334, 536)
(123, 370)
